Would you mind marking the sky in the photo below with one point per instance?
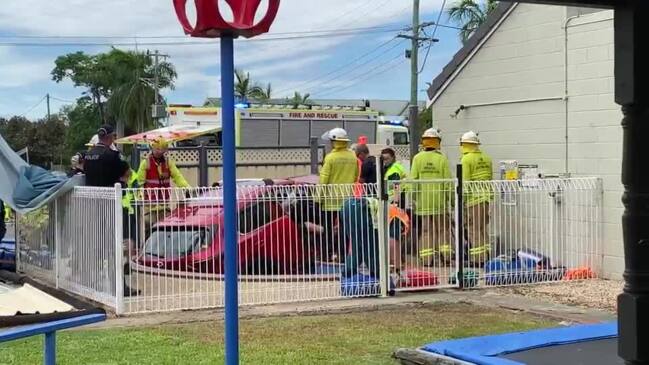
(362, 64)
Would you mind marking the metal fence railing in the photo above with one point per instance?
(532, 230)
(296, 243)
(71, 243)
(425, 255)
(148, 250)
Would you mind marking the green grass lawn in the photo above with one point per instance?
(352, 338)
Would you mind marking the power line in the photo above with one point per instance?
(62, 100)
(34, 107)
(359, 78)
(350, 11)
(186, 43)
(391, 65)
(377, 7)
(333, 31)
(430, 45)
(378, 57)
(321, 78)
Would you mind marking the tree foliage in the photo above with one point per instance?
(83, 119)
(44, 138)
(470, 14)
(120, 84)
(299, 99)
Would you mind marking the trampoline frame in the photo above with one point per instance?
(486, 350)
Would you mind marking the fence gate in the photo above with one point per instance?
(424, 251)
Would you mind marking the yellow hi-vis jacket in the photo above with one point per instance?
(129, 196)
(396, 172)
(176, 176)
(477, 166)
(340, 170)
(431, 197)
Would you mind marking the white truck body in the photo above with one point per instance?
(292, 127)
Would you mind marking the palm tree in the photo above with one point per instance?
(470, 14)
(263, 94)
(299, 99)
(133, 92)
(244, 88)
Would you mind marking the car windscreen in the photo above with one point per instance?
(176, 242)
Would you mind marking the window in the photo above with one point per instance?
(256, 215)
(176, 242)
(400, 138)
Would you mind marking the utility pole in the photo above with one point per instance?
(156, 78)
(47, 96)
(413, 54)
(157, 111)
(414, 82)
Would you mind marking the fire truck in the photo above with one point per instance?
(281, 125)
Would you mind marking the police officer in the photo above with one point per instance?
(102, 164)
(105, 168)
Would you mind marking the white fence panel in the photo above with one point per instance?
(35, 243)
(296, 243)
(532, 231)
(311, 242)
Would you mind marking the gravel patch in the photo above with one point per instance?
(597, 294)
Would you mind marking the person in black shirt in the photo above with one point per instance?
(104, 167)
(368, 164)
(103, 164)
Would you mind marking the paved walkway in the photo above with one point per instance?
(486, 298)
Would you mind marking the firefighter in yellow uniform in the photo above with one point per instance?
(155, 175)
(432, 199)
(476, 167)
(337, 177)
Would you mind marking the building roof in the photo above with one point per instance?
(471, 45)
(387, 107)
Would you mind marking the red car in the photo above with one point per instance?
(191, 237)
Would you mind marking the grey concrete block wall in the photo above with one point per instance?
(524, 59)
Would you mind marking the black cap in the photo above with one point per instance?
(105, 130)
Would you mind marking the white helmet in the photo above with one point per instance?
(432, 133)
(470, 137)
(336, 134)
(93, 141)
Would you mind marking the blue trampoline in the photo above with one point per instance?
(592, 344)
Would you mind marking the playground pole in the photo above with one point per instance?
(229, 202)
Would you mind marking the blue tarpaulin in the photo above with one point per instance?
(24, 187)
